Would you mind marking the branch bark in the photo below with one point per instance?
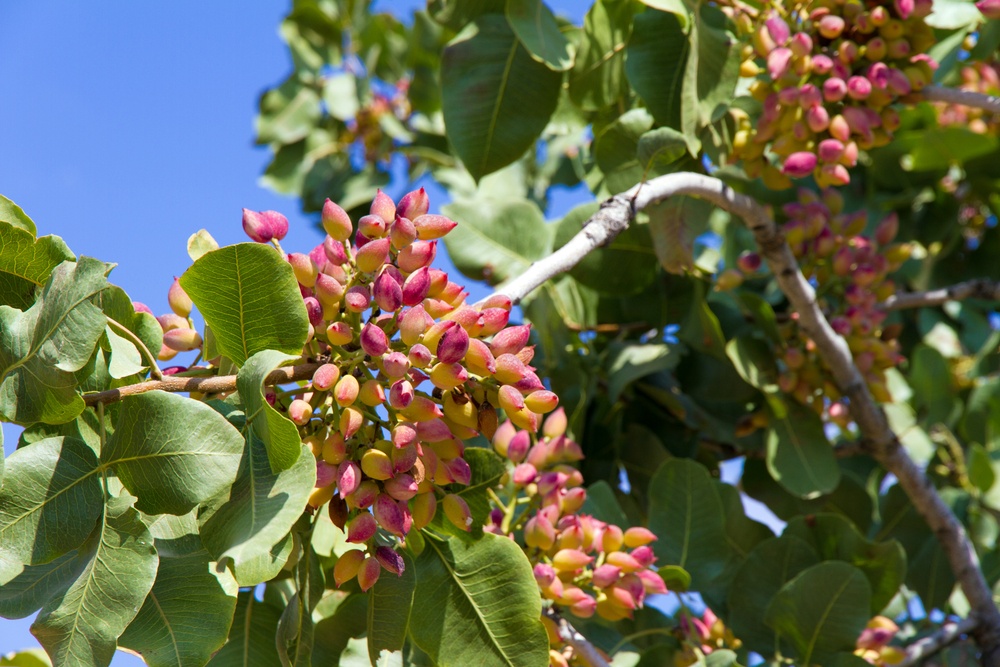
(972, 289)
(583, 648)
(966, 98)
(208, 385)
(884, 445)
(924, 648)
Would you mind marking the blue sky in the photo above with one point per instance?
(126, 126)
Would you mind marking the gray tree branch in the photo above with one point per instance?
(883, 444)
(924, 648)
(583, 648)
(966, 98)
(972, 289)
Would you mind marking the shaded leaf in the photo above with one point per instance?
(597, 79)
(251, 637)
(33, 585)
(537, 30)
(389, 606)
(674, 224)
(799, 456)
(279, 435)
(628, 363)
(655, 64)
(26, 262)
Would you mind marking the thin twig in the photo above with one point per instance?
(617, 213)
(583, 648)
(207, 385)
(966, 98)
(924, 648)
(988, 290)
(154, 369)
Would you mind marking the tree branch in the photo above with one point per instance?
(966, 98)
(583, 648)
(208, 385)
(924, 648)
(867, 414)
(972, 289)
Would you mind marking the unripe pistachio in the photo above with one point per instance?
(457, 511)
(778, 62)
(510, 340)
(989, 8)
(346, 390)
(361, 528)
(400, 394)
(339, 333)
(314, 311)
(256, 227)
(357, 298)
(363, 496)
(416, 255)
(377, 465)
(431, 226)
(368, 573)
(373, 340)
(423, 507)
(612, 539)
(453, 345)
(389, 515)
(347, 566)
(448, 376)
(541, 401)
(413, 204)
(383, 206)
(336, 222)
(387, 293)
(517, 450)
(570, 560)
(372, 226)
(887, 229)
(623, 560)
(539, 533)
(178, 299)
(371, 393)
(421, 409)
(414, 324)
(638, 537)
(478, 359)
(404, 434)
(372, 255)
(300, 411)
(181, 339)
(351, 421)
(390, 560)
(799, 164)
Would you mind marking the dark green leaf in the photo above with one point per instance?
(685, 513)
(477, 604)
(42, 348)
(597, 79)
(655, 63)
(389, 605)
(496, 98)
(660, 147)
(602, 504)
(279, 435)
(711, 73)
(82, 626)
(34, 585)
(799, 456)
(674, 224)
(538, 31)
(496, 240)
(26, 262)
(172, 452)
(12, 214)
(251, 638)
(249, 296)
(754, 361)
(186, 616)
(821, 611)
(616, 146)
(628, 363)
(50, 500)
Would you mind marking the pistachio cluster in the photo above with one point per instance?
(827, 73)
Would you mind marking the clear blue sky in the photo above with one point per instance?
(126, 126)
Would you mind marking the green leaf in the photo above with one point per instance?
(117, 305)
(597, 79)
(675, 577)
(25, 592)
(249, 296)
(389, 606)
(50, 500)
(770, 565)
(954, 14)
(200, 243)
(981, 472)
(602, 504)
(821, 611)
(939, 148)
(26, 262)
(259, 510)
(287, 113)
(685, 512)
(932, 388)
(124, 359)
(477, 604)
(496, 98)
(42, 348)
(754, 361)
(626, 266)
(711, 73)
(12, 214)
(539, 33)
(32, 657)
(628, 363)
(674, 224)
(672, 6)
(655, 62)
(279, 435)
(496, 240)
(342, 616)
(186, 616)
(799, 456)
(251, 638)
(172, 452)
(615, 149)
(660, 147)
(82, 626)
(834, 538)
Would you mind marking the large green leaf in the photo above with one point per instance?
(496, 240)
(251, 638)
(259, 510)
(172, 452)
(674, 224)
(42, 348)
(117, 305)
(626, 266)
(655, 64)
(50, 500)
(342, 617)
(628, 363)
(496, 98)
(770, 565)
(477, 604)
(616, 146)
(711, 72)
(597, 79)
(248, 295)
(834, 538)
(537, 29)
(26, 263)
(12, 214)
(389, 609)
(82, 626)
(685, 512)
(31, 586)
(821, 611)
(186, 616)
(279, 435)
(799, 456)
